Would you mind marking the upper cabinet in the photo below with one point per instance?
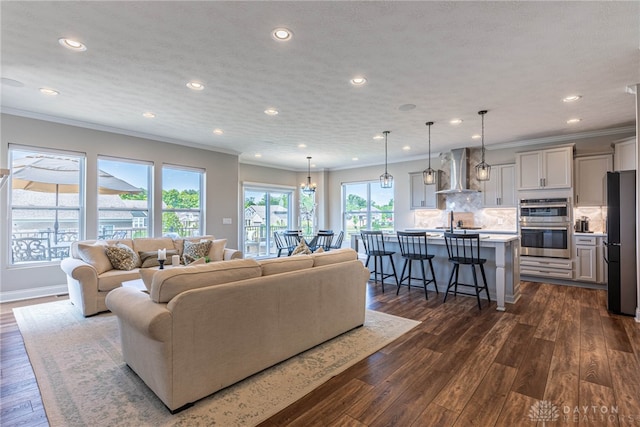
(590, 183)
(500, 190)
(625, 155)
(545, 169)
(424, 196)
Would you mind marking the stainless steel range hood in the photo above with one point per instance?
(459, 180)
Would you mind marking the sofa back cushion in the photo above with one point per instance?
(179, 243)
(335, 256)
(284, 265)
(168, 283)
(148, 244)
(75, 253)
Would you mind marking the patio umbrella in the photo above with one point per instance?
(60, 175)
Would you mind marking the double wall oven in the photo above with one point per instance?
(545, 227)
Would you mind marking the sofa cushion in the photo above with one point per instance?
(122, 257)
(150, 258)
(113, 279)
(95, 255)
(192, 251)
(148, 244)
(283, 265)
(216, 251)
(168, 283)
(332, 257)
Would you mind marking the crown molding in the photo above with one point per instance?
(563, 138)
(110, 129)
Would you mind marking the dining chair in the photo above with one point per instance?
(291, 240)
(464, 249)
(321, 240)
(337, 242)
(280, 244)
(414, 247)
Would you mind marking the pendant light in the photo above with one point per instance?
(308, 187)
(386, 179)
(483, 170)
(429, 175)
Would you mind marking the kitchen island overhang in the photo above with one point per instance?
(502, 267)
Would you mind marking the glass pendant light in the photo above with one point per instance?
(308, 187)
(483, 170)
(386, 179)
(429, 175)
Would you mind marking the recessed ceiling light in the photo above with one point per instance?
(574, 121)
(195, 85)
(148, 115)
(48, 92)
(407, 107)
(282, 34)
(476, 136)
(74, 45)
(571, 98)
(358, 81)
(378, 137)
(218, 131)
(257, 155)
(302, 145)
(455, 121)
(271, 111)
(406, 148)
(354, 159)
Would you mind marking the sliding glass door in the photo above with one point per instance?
(266, 210)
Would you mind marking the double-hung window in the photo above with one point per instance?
(182, 201)
(367, 206)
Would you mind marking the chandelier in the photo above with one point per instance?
(429, 175)
(386, 179)
(308, 187)
(483, 170)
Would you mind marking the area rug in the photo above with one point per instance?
(84, 380)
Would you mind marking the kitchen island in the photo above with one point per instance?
(502, 267)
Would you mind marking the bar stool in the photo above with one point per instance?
(465, 249)
(374, 247)
(413, 246)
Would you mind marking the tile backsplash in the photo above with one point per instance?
(597, 217)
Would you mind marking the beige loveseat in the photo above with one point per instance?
(90, 275)
(202, 328)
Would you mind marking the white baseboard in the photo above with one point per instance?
(22, 294)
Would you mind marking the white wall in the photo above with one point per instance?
(221, 189)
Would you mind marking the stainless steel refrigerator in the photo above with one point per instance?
(621, 242)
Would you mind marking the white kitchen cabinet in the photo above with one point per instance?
(424, 196)
(500, 190)
(591, 179)
(624, 156)
(589, 263)
(554, 268)
(545, 169)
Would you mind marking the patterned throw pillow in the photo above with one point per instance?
(301, 249)
(193, 251)
(122, 257)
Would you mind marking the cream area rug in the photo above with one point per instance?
(84, 381)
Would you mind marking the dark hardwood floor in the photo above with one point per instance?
(558, 346)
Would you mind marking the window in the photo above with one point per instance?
(46, 204)
(266, 210)
(308, 217)
(366, 206)
(182, 201)
(123, 199)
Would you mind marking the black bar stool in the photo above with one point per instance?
(413, 246)
(374, 247)
(465, 249)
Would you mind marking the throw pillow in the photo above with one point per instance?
(95, 255)
(150, 258)
(301, 249)
(216, 252)
(193, 251)
(122, 257)
(198, 262)
(319, 250)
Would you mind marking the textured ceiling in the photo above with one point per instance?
(451, 59)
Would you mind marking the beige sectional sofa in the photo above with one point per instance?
(90, 275)
(202, 328)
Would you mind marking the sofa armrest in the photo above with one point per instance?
(230, 254)
(79, 270)
(136, 309)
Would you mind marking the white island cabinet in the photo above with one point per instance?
(502, 267)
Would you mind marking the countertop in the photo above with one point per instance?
(481, 230)
(575, 233)
(484, 236)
